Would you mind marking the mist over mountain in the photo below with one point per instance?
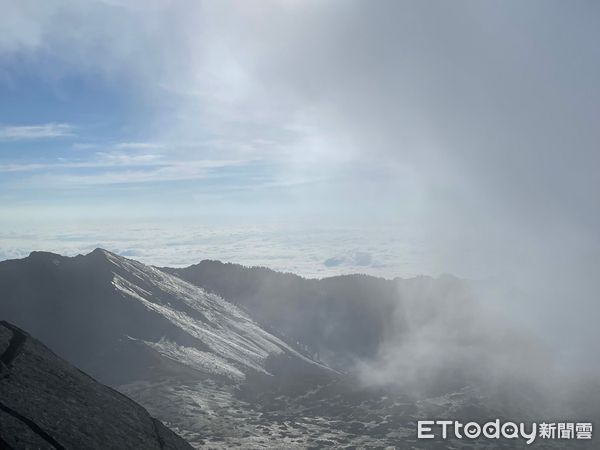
(423, 334)
(228, 355)
(338, 319)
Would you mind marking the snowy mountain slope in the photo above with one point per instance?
(231, 340)
(123, 309)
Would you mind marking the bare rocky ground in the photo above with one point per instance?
(217, 414)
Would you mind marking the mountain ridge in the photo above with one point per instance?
(221, 372)
(149, 291)
(147, 333)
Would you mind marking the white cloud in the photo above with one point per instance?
(127, 163)
(32, 132)
(147, 172)
(138, 145)
(286, 247)
(98, 161)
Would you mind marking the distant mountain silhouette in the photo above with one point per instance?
(47, 403)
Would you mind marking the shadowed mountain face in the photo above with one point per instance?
(47, 403)
(340, 319)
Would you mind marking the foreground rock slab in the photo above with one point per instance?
(47, 403)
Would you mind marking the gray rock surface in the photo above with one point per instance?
(47, 403)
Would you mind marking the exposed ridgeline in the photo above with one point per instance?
(339, 319)
(117, 318)
(47, 403)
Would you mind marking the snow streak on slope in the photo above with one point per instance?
(197, 359)
(234, 342)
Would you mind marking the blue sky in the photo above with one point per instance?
(81, 138)
(126, 110)
(80, 143)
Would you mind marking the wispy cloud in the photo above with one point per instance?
(138, 145)
(129, 162)
(32, 132)
(100, 160)
(118, 172)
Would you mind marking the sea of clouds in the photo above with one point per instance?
(310, 252)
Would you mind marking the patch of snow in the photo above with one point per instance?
(197, 359)
(234, 339)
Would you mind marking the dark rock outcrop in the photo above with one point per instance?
(47, 403)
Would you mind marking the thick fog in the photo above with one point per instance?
(483, 116)
(483, 113)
